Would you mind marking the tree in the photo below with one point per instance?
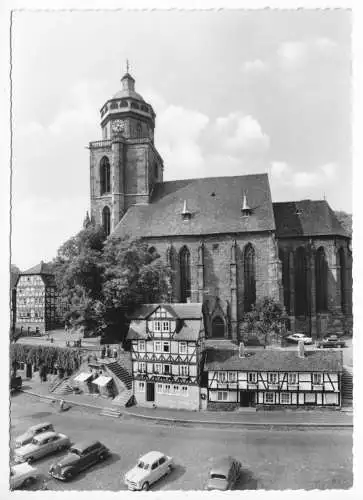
(267, 317)
(345, 220)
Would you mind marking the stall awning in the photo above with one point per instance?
(102, 380)
(83, 377)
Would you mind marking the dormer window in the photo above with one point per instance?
(246, 210)
(186, 214)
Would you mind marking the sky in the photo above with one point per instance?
(235, 92)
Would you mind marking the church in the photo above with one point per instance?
(227, 242)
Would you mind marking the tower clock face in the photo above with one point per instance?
(118, 125)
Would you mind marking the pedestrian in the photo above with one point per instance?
(103, 352)
(115, 352)
(108, 351)
(61, 405)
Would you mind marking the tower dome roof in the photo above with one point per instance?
(128, 88)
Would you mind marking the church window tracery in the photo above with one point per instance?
(321, 280)
(342, 265)
(106, 220)
(105, 175)
(301, 289)
(249, 278)
(185, 280)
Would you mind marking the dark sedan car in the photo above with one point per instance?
(80, 457)
(332, 341)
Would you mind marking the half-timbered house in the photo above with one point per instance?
(273, 378)
(167, 341)
(36, 300)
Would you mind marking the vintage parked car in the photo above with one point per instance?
(42, 445)
(33, 431)
(224, 474)
(296, 337)
(149, 468)
(331, 341)
(81, 456)
(21, 475)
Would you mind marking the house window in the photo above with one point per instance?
(166, 326)
(157, 346)
(222, 396)
(167, 388)
(141, 345)
(157, 326)
(269, 397)
(285, 398)
(272, 378)
(185, 390)
(222, 377)
(176, 389)
(182, 348)
(166, 346)
(317, 379)
(157, 368)
(292, 378)
(141, 386)
(184, 370)
(167, 369)
(159, 388)
(142, 367)
(252, 378)
(232, 377)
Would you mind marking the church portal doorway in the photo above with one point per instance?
(218, 328)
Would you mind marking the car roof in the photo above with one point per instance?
(82, 445)
(46, 435)
(151, 456)
(222, 465)
(39, 426)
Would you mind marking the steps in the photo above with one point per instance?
(347, 388)
(63, 388)
(123, 399)
(56, 383)
(110, 412)
(121, 373)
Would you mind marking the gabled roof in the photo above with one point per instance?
(41, 268)
(271, 360)
(306, 218)
(192, 310)
(215, 204)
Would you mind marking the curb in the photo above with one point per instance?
(200, 422)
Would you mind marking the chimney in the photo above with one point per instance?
(241, 350)
(300, 349)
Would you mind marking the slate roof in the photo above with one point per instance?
(316, 218)
(268, 360)
(192, 310)
(215, 204)
(41, 268)
(190, 330)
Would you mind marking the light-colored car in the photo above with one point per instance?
(149, 469)
(21, 475)
(40, 446)
(33, 431)
(296, 337)
(224, 474)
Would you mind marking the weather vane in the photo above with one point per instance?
(127, 66)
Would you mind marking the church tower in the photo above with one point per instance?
(124, 165)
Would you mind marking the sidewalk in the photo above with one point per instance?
(275, 418)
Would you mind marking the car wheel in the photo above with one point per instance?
(28, 481)
(146, 486)
(68, 475)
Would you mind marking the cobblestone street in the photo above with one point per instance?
(271, 459)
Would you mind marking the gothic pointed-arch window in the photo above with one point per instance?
(185, 280)
(249, 261)
(105, 175)
(321, 280)
(218, 328)
(106, 220)
(139, 130)
(301, 289)
(285, 269)
(342, 265)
